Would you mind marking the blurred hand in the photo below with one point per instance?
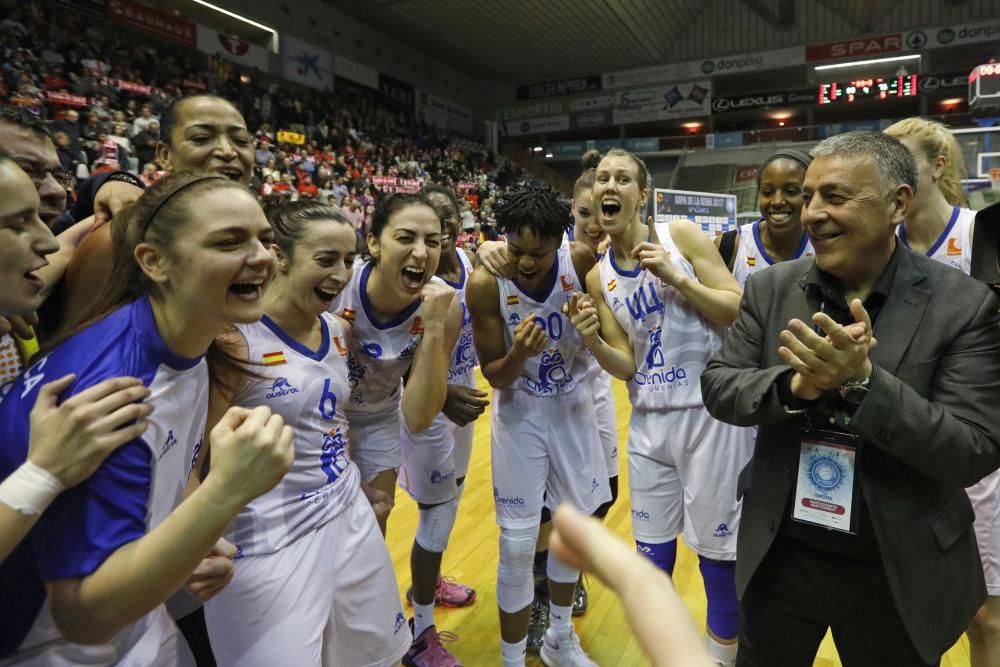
(464, 404)
(213, 573)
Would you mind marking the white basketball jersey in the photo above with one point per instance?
(670, 339)
(309, 389)
(558, 369)
(463, 357)
(751, 256)
(380, 353)
(954, 246)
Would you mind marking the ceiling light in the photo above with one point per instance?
(538, 149)
(867, 62)
(235, 16)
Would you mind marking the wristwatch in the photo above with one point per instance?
(854, 390)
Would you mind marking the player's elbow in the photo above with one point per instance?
(82, 628)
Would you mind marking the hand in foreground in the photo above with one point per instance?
(582, 312)
(494, 256)
(19, 326)
(251, 451)
(111, 198)
(655, 258)
(213, 573)
(381, 502)
(654, 611)
(464, 404)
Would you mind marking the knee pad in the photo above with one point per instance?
(603, 510)
(559, 572)
(515, 586)
(434, 525)
(663, 554)
(720, 589)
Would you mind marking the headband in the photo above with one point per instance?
(149, 218)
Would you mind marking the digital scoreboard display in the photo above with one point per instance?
(984, 81)
(868, 89)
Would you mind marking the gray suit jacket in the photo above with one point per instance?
(930, 424)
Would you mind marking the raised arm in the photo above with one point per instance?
(600, 330)
(427, 384)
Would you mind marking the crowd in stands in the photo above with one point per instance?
(103, 91)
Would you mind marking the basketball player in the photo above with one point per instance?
(658, 301)
(546, 448)
(393, 340)
(778, 235)
(435, 461)
(313, 582)
(88, 584)
(940, 228)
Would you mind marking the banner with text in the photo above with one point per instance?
(395, 92)
(231, 48)
(306, 64)
(681, 100)
(747, 102)
(154, 21)
(698, 68)
(580, 84)
(517, 128)
(394, 184)
(532, 110)
(439, 112)
(714, 213)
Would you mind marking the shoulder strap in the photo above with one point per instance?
(727, 247)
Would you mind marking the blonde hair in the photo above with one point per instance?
(935, 140)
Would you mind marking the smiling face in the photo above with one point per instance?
(220, 261)
(450, 220)
(408, 249)
(780, 194)
(586, 226)
(320, 266)
(24, 242)
(532, 256)
(617, 196)
(209, 135)
(849, 220)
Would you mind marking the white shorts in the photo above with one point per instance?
(374, 443)
(434, 461)
(607, 420)
(330, 598)
(985, 497)
(545, 450)
(153, 641)
(683, 466)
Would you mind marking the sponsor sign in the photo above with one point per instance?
(965, 33)
(592, 103)
(356, 72)
(514, 128)
(532, 110)
(441, 113)
(727, 140)
(395, 92)
(231, 48)
(65, 99)
(393, 184)
(680, 100)
(746, 173)
(590, 119)
(154, 21)
(580, 84)
(856, 48)
(568, 149)
(732, 64)
(745, 102)
(931, 82)
(304, 63)
(715, 213)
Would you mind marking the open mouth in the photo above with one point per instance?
(247, 291)
(610, 207)
(35, 281)
(779, 217)
(232, 173)
(325, 295)
(413, 278)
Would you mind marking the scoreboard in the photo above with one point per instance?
(864, 89)
(984, 86)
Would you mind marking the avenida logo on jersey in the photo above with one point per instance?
(552, 373)
(506, 500)
(666, 380)
(281, 387)
(437, 476)
(465, 358)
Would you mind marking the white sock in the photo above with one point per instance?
(423, 618)
(513, 654)
(724, 654)
(559, 619)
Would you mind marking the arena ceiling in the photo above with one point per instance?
(525, 41)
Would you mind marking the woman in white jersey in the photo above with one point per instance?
(545, 443)
(68, 442)
(778, 235)
(313, 583)
(942, 229)
(190, 259)
(658, 301)
(435, 462)
(405, 323)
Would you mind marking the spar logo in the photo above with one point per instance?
(281, 387)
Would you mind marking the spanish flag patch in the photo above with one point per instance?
(612, 284)
(751, 261)
(513, 300)
(348, 314)
(274, 358)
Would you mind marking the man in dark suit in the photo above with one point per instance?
(855, 516)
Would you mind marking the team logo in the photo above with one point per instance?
(953, 247)
(418, 326)
(826, 474)
(464, 359)
(400, 622)
(722, 531)
(437, 477)
(168, 444)
(506, 500)
(567, 283)
(552, 370)
(514, 320)
(373, 350)
(333, 459)
(281, 387)
(654, 358)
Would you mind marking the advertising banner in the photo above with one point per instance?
(154, 21)
(748, 102)
(306, 64)
(65, 99)
(965, 33)
(714, 213)
(356, 72)
(515, 128)
(580, 84)
(532, 110)
(441, 113)
(856, 48)
(231, 48)
(590, 119)
(395, 92)
(394, 184)
(592, 103)
(733, 64)
(680, 100)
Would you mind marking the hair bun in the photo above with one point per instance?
(591, 159)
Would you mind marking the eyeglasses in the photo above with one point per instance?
(38, 175)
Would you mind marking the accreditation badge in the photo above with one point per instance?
(824, 491)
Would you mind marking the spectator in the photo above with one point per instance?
(340, 190)
(68, 158)
(70, 124)
(119, 135)
(145, 143)
(307, 189)
(144, 119)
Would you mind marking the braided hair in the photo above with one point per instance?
(542, 211)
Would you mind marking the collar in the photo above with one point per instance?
(815, 278)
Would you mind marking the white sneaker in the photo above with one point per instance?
(564, 651)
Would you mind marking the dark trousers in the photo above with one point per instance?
(798, 592)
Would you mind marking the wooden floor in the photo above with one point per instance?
(472, 559)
